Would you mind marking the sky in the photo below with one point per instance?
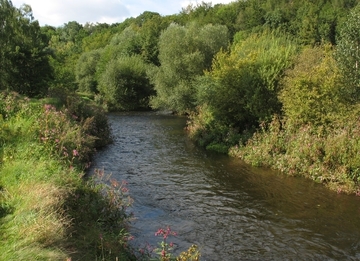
(58, 12)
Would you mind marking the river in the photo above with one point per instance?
(231, 210)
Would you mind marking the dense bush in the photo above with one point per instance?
(24, 58)
(125, 84)
(86, 71)
(312, 90)
(241, 89)
(325, 155)
(348, 55)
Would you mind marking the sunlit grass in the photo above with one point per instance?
(47, 210)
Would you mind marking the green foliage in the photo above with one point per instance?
(24, 62)
(211, 133)
(184, 53)
(70, 32)
(325, 155)
(99, 36)
(240, 90)
(312, 90)
(242, 87)
(63, 63)
(149, 34)
(348, 54)
(43, 193)
(86, 71)
(125, 84)
(252, 15)
(125, 43)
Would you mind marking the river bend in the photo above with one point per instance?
(229, 209)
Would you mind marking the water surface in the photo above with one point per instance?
(229, 209)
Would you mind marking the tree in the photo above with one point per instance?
(312, 89)
(125, 85)
(149, 34)
(122, 44)
(24, 58)
(242, 87)
(184, 53)
(348, 55)
(85, 71)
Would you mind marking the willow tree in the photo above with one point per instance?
(124, 84)
(184, 53)
(85, 71)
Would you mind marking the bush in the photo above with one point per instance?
(312, 89)
(325, 155)
(125, 85)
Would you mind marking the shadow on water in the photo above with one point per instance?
(229, 209)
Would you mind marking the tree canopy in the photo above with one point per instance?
(24, 56)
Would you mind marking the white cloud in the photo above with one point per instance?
(59, 12)
(195, 2)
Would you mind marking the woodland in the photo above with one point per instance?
(275, 83)
(253, 76)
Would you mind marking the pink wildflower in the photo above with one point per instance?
(47, 107)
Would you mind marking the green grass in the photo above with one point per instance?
(47, 210)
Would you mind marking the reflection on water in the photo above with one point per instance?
(230, 210)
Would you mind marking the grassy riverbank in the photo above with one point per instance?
(326, 155)
(47, 210)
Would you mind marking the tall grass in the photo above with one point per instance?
(48, 211)
(325, 154)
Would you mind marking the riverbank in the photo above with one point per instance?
(48, 211)
(325, 154)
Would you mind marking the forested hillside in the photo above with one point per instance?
(254, 76)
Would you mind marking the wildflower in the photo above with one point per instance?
(47, 107)
(114, 183)
(159, 232)
(75, 153)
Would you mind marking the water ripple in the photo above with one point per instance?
(230, 210)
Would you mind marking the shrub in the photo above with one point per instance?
(124, 85)
(312, 88)
(325, 155)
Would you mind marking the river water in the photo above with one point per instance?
(229, 209)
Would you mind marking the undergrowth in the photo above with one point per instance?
(328, 155)
(48, 211)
